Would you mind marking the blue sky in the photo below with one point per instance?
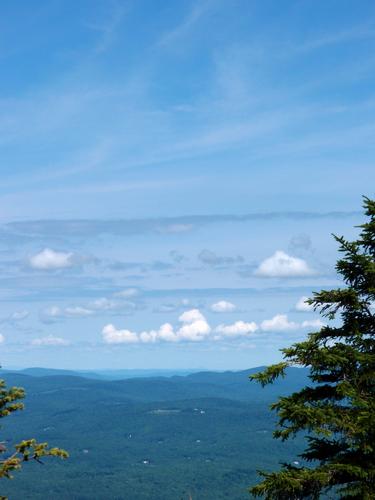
(171, 174)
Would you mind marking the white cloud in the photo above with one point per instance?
(165, 333)
(313, 323)
(237, 329)
(281, 323)
(113, 336)
(77, 311)
(191, 316)
(55, 313)
(278, 323)
(48, 259)
(50, 340)
(194, 331)
(282, 265)
(303, 306)
(223, 306)
(2, 338)
(194, 328)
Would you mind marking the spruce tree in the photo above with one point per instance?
(336, 411)
(27, 450)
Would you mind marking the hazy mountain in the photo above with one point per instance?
(203, 434)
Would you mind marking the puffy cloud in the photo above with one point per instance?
(194, 329)
(165, 333)
(191, 316)
(237, 329)
(282, 265)
(278, 323)
(113, 336)
(223, 306)
(281, 323)
(303, 306)
(2, 338)
(48, 259)
(313, 323)
(50, 340)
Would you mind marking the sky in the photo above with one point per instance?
(171, 174)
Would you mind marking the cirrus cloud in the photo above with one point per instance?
(50, 340)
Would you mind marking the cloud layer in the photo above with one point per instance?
(194, 327)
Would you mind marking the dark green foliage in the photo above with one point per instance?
(26, 450)
(93, 419)
(337, 410)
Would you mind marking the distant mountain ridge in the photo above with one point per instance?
(234, 385)
(161, 437)
(98, 374)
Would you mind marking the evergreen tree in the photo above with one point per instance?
(27, 450)
(337, 411)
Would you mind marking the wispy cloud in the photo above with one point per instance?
(198, 10)
(93, 227)
(108, 28)
(359, 32)
(50, 341)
